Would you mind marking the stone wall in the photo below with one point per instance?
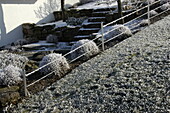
(34, 33)
(73, 13)
(9, 95)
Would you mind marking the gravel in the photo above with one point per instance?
(132, 76)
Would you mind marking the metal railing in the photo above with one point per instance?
(97, 37)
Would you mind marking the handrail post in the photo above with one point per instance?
(102, 36)
(25, 84)
(148, 12)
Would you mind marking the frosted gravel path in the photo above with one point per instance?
(133, 76)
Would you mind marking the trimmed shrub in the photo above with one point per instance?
(12, 59)
(90, 49)
(116, 30)
(164, 1)
(75, 21)
(165, 6)
(52, 39)
(150, 1)
(153, 13)
(144, 23)
(59, 64)
(10, 75)
(20, 42)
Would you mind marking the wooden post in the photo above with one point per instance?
(119, 3)
(25, 84)
(102, 36)
(63, 10)
(148, 12)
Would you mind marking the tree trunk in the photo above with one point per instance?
(63, 10)
(119, 3)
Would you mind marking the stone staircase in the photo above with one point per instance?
(93, 24)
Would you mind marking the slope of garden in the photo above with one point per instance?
(132, 76)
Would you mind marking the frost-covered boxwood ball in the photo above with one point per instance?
(153, 13)
(164, 1)
(52, 39)
(75, 21)
(90, 49)
(116, 30)
(10, 75)
(20, 42)
(144, 22)
(13, 59)
(59, 64)
(165, 6)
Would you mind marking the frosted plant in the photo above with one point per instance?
(90, 49)
(144, 23)
(153, 13)
(75, 21)
(150, 1)
(59, 64)
(164, 1)
(10, 75)
(20, 42)
(165, 6)
(111, 31)
(52, 39)
(13, 59)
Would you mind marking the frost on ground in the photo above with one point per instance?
(89, 49)
(98, 4)
(57, 24)
(112, 31)
(133, 76)
(57, 64)
(10, 75)
(12, 59)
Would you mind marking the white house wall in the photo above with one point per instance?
(13, 13)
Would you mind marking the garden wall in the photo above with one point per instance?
(13, 13)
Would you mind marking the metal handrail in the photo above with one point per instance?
(130, 14)
(102, 26)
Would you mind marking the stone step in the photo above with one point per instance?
(97, 19)
(92, 25)
(104, 9)
(100, 13)
(80, 37)
(87, 31)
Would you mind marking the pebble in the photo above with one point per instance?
(132, 76)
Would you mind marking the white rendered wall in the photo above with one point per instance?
(13, 13)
